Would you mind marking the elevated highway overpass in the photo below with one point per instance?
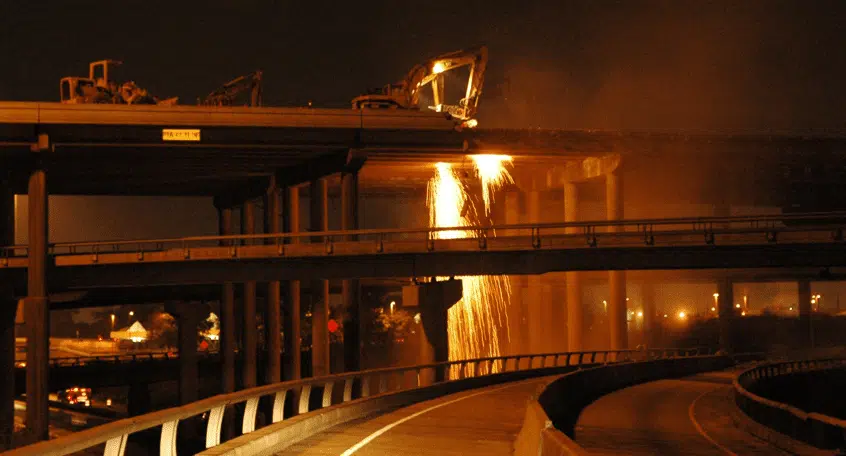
(694, 243)
(238, 155)
(121, 150)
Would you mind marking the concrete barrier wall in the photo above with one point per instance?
(550, 419)
(816, 429)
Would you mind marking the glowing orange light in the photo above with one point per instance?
(438, 67)
(473, 322)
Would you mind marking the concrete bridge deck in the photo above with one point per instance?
(678, 244)
(476, 422)
(689, 416)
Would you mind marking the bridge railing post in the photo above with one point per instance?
(279, 405)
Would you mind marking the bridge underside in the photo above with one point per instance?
(820, 255)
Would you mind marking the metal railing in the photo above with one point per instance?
(817, 429)
(70, 361)
(591, 231)
(369, 383)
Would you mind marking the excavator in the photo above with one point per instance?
(227, 93)
(406, 93)
(97, 88)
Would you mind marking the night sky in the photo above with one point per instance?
(658, 65)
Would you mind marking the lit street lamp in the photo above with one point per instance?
(113, 321)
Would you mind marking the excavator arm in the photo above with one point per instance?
(477, 59)
(406, 93)
(226, 94)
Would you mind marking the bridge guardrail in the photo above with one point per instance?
(552, 414)
(374, 382)
(771, 226)
(821, 431)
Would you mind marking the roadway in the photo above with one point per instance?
(481, 421)
(687, 416)
(62, 421)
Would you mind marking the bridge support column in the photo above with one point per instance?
(248, 358)
(649, 336)
(806, 329)
(535, 306)
(293, 361)
(575, 315)
(187, 320)
(517, 318)
(227, 313)
(36, 306)
(272, 324)
(434, 300)
(616, 279)
(320, 288)
(726, 312)
(8, 308)
(350, 287)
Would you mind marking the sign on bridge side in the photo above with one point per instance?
(180, 134)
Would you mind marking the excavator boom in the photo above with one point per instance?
(227, 93)
(406, 93)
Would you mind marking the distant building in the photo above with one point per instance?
(135, 333)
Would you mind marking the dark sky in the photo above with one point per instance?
(664, 64)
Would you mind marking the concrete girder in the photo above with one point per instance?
(346, 161)
(338, 266)
(583, 170)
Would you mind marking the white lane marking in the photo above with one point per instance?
(388, 427)
(702, 431)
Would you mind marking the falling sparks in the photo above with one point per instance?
(493, 175)
(475, 321)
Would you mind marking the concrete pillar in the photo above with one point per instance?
(727, 314)
(320, 288)
(648, 322)
(273, 304)
(350, 287)
(433, 300)
(805, 325)
(37, 311)
(187, 320)
(227, 312)
(575, 311)
(248, 346)
(8, 307)
(292, 362)
(616, 279)
(516, 313)
(534, 292)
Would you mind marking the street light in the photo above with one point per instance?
(113, 321)
(131, 313)
(393, 303)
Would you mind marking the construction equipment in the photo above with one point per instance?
(227, 93)
(406, 93)
(97, 88)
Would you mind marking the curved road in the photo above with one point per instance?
(481, 421)
(688, 416)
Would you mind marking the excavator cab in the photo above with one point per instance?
(406, 93)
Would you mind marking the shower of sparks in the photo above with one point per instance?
(493, 175)
(474, 322)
